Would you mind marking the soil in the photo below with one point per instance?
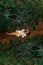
(38, 31)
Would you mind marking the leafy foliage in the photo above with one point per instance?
(20, 14)
(22, 52)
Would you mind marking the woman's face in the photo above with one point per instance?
(28, 31)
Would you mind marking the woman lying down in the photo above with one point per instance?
(19, 33)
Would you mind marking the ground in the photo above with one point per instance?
(37, 31)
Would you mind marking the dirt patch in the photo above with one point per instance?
(38, 31)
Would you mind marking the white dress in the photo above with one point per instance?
(21, 33)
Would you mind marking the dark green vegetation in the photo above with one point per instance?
(20, 14)
(22, 52)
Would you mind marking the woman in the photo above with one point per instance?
(19, 33)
